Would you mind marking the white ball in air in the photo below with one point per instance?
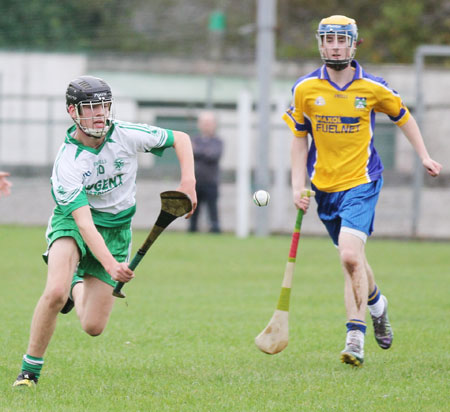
(261, 198)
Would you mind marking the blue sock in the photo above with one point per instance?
(356, 324)
(374, 297)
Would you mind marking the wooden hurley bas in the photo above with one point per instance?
(275, 336)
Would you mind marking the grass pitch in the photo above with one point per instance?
(183, 338)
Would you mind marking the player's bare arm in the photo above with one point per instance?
(299, 153)
(183, 149)
(119, 271)
(412, 132)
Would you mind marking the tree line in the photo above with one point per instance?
(391, 31)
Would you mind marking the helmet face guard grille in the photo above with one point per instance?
(108, 117)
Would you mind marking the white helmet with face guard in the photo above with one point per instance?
(344, 34)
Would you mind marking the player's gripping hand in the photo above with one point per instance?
(121, 272)
(189, 189)
(433, 167)
(301, 202)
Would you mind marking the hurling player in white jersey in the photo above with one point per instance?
(89, 232)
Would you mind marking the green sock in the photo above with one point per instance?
(32, 364)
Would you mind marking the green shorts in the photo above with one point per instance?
(117, 239)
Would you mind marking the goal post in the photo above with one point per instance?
(422, 52)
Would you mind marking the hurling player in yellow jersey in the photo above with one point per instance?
(336, 106)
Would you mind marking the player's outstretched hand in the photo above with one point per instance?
(433, 167)
(122, 273)
(5, 184)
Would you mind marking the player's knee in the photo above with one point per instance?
(56, 297)
(93, 329)
(350, 259)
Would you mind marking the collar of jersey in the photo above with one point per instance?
(323, 74)
(81, 146)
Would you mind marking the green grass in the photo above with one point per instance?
(183, 339)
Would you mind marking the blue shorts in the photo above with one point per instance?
(353, 208)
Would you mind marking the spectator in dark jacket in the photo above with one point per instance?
(207, 152)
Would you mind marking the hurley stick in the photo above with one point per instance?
(275, 336)
(173, 204)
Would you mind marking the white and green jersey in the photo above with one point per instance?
(104, 178)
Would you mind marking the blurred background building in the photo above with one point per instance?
(168, 60)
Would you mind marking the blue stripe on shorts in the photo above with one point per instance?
(353, 208)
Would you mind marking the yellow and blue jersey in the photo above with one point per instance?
(341, 122)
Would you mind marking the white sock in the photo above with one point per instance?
(377, 308)
(355, 339)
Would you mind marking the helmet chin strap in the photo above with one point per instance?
(337, 65)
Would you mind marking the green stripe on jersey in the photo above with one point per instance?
(81, 146)
(75, 201)
(134, 126)
(60, 220)
(158, 151)
(106, 219)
